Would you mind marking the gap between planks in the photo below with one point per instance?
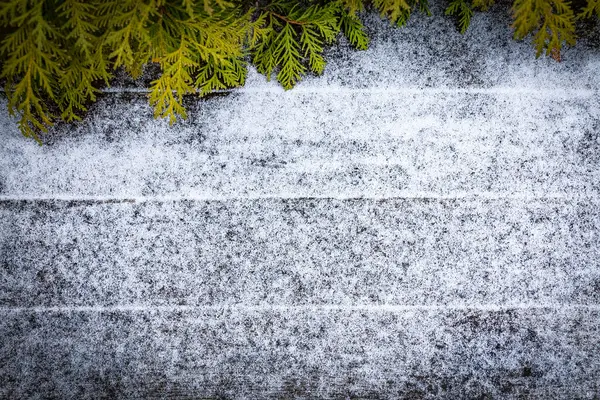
(554, 93)
(304, 307)
(472, 196)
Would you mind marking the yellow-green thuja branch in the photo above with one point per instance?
(55, 55)
(127, 39)
(32, 64)
(464, 10)
(552, 22)
(84, 63)
(289, 39)
(351, 25)
(399, 11)
(591, 9)
(200, 49)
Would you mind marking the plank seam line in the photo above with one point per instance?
(560, 93)
(398, 196)
(400, 90)
(307, 307)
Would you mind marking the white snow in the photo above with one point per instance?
(344, 145)
(422, 220)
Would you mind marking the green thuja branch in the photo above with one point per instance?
(463, 10)
(200, 50)
(591, 9)
(218, 76)
(399, 11)
(85, 62)
(354, 30)
(291, 39)
(287, 56)
(351, 24)
(55, 55)
(32, 63)
(318, 26)
(552, 23)
(483, 5)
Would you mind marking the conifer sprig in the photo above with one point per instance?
(399, 11)
(200, 50)
(55, 55)
(483, 5)
(354, 30)
(31, 67)
(591, 9)
(353, 7)
(292, 39)
(552, 23)
(463, 10)
(84, 64)
(392, 9)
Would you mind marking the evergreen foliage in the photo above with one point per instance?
(591, 9)
(291, 39)
(57, 54)
(463, 9)
(551, 21)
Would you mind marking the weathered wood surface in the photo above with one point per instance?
(423, 223)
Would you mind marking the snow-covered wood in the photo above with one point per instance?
(423, 221)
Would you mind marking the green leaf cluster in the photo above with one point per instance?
(399, 11)
(290, 39)
(463, 10)
(591, 9)
(56, 55)
(551, 23)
